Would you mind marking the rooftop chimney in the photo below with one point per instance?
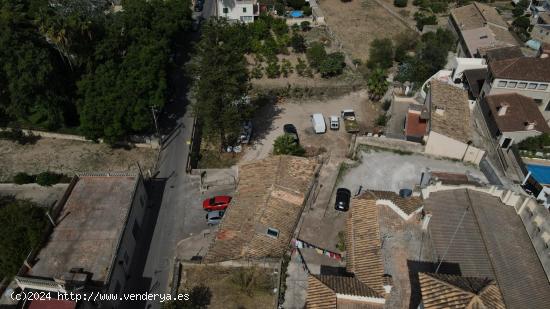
(530, 125)
(502, 109)
(388, 283)
(440, 110)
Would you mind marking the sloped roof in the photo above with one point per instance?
(454, 122)
(364, 255)
(524, 68)
(270, 194)
(347, 285)
(520, 110)
(449, 291)
(407, 204)
(490, 241)
(319, 296)
(477, 15)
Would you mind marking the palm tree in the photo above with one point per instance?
(377, 84)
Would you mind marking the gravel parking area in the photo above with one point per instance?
(271, 119)
(390, 171)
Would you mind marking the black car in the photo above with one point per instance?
(199, 6)
(343, 196)
(291, 130)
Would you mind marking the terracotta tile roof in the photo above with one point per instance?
(491, 242)
(351, 304)
(524, 68)
(319, 296)
(520, 111)
(364, 255)
(501, 53)
(449, 291)
(270, 194)
(477, 15)
(453, 179)
(408, 204)
(416, 126)
(454, 120)
(347, 286)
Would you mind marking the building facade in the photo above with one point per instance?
(238, 10)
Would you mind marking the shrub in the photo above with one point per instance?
(400, 3)
(307, 10)
(47, 179)
(536, 143)
(295, 27)
(279, 26)
(316, 54)
(380, 54)
(17, 135)
(273, 70)
(332, 65)
(302, 69)
(377, 84)
(296, 4)
(381, 120)
(23, 178)
(285, 144)
(423, 19)
(305, 25)
(286, 67)
(298, 43)
(257, 72)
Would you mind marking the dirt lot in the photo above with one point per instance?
(225, 285)
(358, 22)
(69, 157)
(270, 120)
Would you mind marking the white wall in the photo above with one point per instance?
(236, 10)
(517, 136)
(126, 250)
(444, 146)
(544, 95)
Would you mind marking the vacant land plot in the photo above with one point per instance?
(233, 287)
(69, 157)
(359, 22)
(269, 123)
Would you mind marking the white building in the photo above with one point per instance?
(241, 10)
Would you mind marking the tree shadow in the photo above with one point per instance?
(263, 119)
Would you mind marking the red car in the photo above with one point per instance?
(216, 203)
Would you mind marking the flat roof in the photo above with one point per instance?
(89, 227)
(490, 241)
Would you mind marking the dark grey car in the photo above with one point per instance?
(343, 197)
(214, 217)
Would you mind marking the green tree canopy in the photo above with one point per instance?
(316, 54)
(377, 84)
(287, 145)
(222, 81)
(21, 227)
(380, 54)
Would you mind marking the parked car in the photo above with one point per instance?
(290, 129)
(199, 6)
(334, 122)
(246, 132)
(214, 217)
(220, 202)
(350, 121)
(318, 121)
(343, 197)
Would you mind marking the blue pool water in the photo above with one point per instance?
(296, 14)
(541, 173)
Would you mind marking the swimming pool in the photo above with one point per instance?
(541, 173)
(296, 14)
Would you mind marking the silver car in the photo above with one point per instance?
(214, 217)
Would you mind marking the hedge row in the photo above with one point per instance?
(43, 179)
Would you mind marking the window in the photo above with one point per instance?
(532, 86)
(538, 101)
(512, 84)
(225, 10)
(522, 85)
(273, 232)
(547, 108)
(542, 87)
(502, 83)
(244, 10)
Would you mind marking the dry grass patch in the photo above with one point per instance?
(233, 287)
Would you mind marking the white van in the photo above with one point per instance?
(318, 122)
